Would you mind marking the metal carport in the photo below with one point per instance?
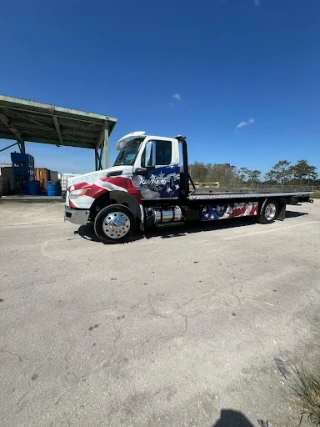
(28, 121)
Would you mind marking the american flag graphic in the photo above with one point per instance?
(225, 211)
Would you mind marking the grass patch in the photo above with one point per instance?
(315, 195)
(306, 388)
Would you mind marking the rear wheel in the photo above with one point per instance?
(115, 224)
(269, 212)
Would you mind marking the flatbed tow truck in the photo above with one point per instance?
(149, 185)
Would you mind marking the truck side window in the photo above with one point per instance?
(163, 154)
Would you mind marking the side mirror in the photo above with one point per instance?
(139, 170)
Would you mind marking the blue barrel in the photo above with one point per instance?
(53, 189)
(34, 188)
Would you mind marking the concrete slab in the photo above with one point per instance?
(178, 328)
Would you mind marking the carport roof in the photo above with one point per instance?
(28, 121)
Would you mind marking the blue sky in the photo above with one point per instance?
(173, 67)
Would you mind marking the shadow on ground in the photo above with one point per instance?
(230, 418)
(291, 214)
(87, 231)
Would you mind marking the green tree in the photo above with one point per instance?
(225, 174)
(281, 173)
(198, 171)
(270, 177)
(244, 174)
(254, 176)
(302, 171)
(248, 176)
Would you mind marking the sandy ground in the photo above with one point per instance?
(178, 328)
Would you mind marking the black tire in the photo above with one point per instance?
(269, 212)
(106, 228)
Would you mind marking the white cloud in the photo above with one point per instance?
(257, 2)
(170, 104)
(243, 124)
(176, 96)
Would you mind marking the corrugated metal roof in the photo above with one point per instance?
(50, 124)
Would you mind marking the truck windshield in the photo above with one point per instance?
(129, 153)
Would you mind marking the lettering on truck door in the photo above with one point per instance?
(161, 177)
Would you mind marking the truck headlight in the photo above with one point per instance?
(77, 193)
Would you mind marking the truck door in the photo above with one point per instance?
(159, 175)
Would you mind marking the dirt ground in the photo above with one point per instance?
(177, 328)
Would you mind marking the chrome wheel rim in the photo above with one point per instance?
(116, 225)
(270, 211)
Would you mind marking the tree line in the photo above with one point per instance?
(282, 173)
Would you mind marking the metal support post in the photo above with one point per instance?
(106, 147)
(98, 158)
(22, 147)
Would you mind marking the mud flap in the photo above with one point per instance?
(142, 227)
(282, 211)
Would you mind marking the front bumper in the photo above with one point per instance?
(76, 216)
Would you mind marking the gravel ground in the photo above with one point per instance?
(178, 328)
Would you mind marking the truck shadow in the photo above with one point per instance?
(231, 418)
(292, 214)
(87, 231)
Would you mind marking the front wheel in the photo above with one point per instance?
(115, 224)
(269, 212)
